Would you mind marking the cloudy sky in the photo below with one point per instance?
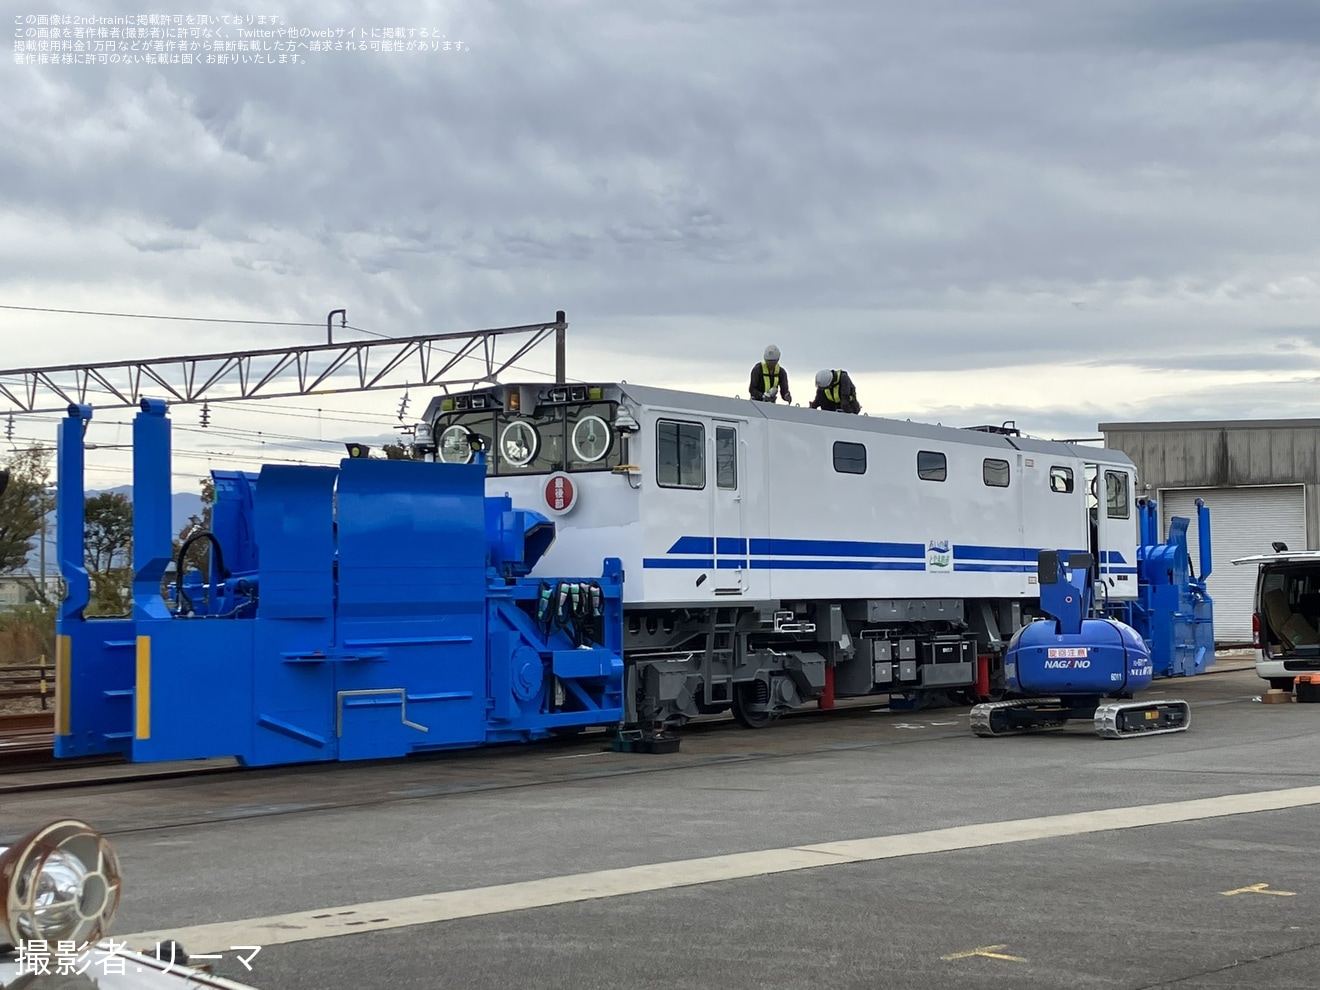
(1060, 212)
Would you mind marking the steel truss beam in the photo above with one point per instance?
(279, 372)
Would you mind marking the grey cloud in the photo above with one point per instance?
(1273, 400)
(164, 242)
(889, 186)
(1197, 23)
(1281, 358)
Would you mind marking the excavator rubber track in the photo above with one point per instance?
(996, 718)
(1134, 719)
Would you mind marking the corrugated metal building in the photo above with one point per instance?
(1259, 479)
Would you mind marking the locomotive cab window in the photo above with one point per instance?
(1061, 479)
(680, 454)
(932, 466)
(1116, 495)
(994, 472)
(849, 458)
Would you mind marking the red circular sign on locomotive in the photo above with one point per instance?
(560, 493)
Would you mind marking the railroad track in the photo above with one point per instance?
(27, 743)
(27, 746)
(27, 739)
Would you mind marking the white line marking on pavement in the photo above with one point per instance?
(451, 905)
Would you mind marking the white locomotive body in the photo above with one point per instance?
(773, 554)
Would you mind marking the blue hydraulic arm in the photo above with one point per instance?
(1066, 588)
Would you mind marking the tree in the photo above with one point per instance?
(199, 554)
(23, 506)
(396, 452)
(108, 534)
(109, 518)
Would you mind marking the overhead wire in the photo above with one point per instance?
(215, 319)
(260, 440)
(151, 316)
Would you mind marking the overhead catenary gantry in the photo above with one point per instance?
(427, 360)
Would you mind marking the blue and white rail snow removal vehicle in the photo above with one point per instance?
(563, 556)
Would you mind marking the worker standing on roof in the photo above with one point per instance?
(835, 391)
(769, 380)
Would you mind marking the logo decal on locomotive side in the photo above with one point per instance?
(939, 555)
(1067, 664)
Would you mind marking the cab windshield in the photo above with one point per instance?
(574, 438)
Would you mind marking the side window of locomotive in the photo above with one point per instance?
(994, 472)
(1116, 495)
(1061, 480)
(680, 454)
(932, 466)
(849, 458)
(726, 457)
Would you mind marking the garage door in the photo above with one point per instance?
(1243, 521)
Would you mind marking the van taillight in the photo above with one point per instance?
(1255, 632)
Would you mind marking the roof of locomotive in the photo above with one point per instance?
(673, 399)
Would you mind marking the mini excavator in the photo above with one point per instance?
(1068, 666)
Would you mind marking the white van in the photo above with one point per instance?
(1285, 624)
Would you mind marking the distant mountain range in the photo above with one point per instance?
(182, 506)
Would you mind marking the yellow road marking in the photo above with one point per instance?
(1259, 888)
(986, 952)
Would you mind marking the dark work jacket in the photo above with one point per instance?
(841, 396)
(756, 386)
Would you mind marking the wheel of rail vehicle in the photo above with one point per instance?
(747, 694)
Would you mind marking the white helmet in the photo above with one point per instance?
(772, 354)
(823, 378)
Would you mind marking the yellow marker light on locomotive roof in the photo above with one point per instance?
(358, 450)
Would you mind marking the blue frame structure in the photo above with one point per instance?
(370, 610)
(1174, 613)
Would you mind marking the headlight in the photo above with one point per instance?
(59, 883)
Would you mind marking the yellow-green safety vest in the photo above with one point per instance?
(770, 379)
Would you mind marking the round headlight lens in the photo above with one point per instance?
(59, 883)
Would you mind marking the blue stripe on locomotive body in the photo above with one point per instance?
(838, 554)
(793, 527)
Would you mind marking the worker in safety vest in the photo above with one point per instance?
(769, 380)
(835, 391)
